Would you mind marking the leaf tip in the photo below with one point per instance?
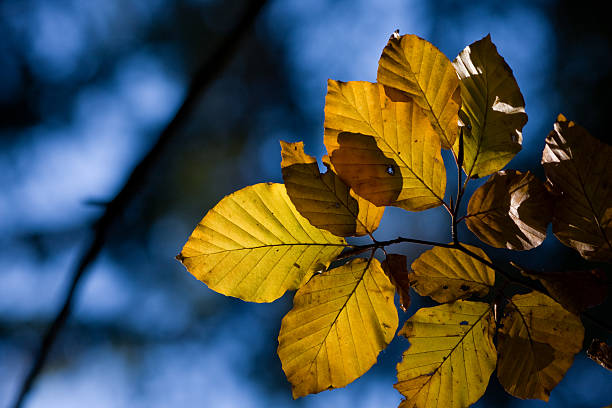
(180, 257)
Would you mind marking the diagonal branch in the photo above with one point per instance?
(202, 78)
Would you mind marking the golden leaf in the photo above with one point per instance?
(511, 210)
(340, 321)
(451, 355)
(494, 105)
(386, 151)
(396, 269)
(415, 66)
(537, 343)
(324, 199)
(579, 167)
(447, 274)
(255, 245)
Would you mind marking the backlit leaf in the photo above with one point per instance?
(254, 245)
(575, 290)
(447, 274)
(324, 199)
(601, 353)
(537, 342)
(415, 66)
(340, 321)
(511, 210)
(451, 355)
(386, 151)
(396, 268)
(579, 168)
(494, 105)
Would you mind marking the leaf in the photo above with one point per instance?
(578, 166)
(340, 321)
(254, 245)
(577, 291)
(447, 274)
(511, 210)
(324, 199)
(415, 66)
(386, 151)
(494, 105)
(451, 355)
(396, 268)
(545, 336)
(601, 353)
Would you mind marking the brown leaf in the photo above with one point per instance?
(601, 353)
(511, 210)
(579, 169)
(396, 268)
(577, 291)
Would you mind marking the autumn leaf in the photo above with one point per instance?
(545, 336)
(447, 274)
(415, 66)
(396, 268)
(578, 167)
(601, 353)
(340, 321)
(494, 105)
(577, 291)
(451, 355)
(386, 151)
(255, 245)
(324, 199)
(511, 210)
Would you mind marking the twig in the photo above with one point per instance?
(202, 78)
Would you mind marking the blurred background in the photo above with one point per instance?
(87, 86)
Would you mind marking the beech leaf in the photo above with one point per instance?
(494, 105)
(386, 151)
(447, 274)
(578, 167)
(601, 353)
(324, 199)
(537, 342)
(451, 355)
(577, 291)
(415, 66)
(511, 210)
(255, 245)
(340, 321)
(396, 268)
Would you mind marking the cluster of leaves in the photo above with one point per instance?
(384, 143)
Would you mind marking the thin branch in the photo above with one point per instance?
(357, 249)
(202, 78)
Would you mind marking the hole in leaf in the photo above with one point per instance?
(445, 287)
(463, 323)
(464, 287)
(390, 170)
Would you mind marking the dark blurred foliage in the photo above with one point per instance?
(86, 87)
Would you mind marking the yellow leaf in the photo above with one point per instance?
(415, 66)
(494, 105)
(544, 336)
(339, 323)
(386, 151)
(254, 245)
(451, 355)
(324, 199)
(511, 210)
(447, 274)
(579, 167)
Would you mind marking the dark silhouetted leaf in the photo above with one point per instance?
(255, 245)
(511, 210)
(415, 66)
(396, 268)
(340, 321)
(386, 151)
(324, 199)
(537, 342)
(492, 100)
(451, 355)
(447, 274)
(579, 168)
